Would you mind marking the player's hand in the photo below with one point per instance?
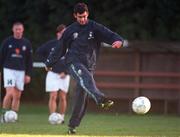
(117, 44)
(62, 75)
(27, 79)
(48, 68)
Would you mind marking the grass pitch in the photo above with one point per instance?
(33, 123)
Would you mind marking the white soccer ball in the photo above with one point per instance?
(10, 116)
(141, 105)
(55, 118)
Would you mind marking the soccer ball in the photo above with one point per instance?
(141, 105)
(55, 118)
(10, 116)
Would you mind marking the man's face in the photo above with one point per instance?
(18, 31)
(82, 19)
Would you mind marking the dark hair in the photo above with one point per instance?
(60, 28)
(80, 8)
(18, 23)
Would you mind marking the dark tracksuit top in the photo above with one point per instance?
(16, 54)
(44, 51)
(82, 43)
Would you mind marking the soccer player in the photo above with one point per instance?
(57, 80)
(16, 61)
(80, 44)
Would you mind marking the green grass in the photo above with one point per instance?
(33, 123)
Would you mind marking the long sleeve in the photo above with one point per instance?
(41, 53)
(1, 57)
(44, 50)
(28, 70)
(2, 54)
(105, 35)
(57, 53)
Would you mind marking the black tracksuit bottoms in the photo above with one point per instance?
(85, 87)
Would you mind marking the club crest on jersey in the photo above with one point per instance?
(10, 46)
(75, 35)
(17, 51)
(23, 48)
(90, 35)
(52, 49)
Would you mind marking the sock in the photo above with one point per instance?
(62, 116)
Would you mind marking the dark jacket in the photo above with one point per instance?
(43, 53)
(16, 54)
(83, 44)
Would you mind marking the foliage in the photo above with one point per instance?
(133, 19)
(136, 20)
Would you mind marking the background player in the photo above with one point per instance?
(16, 61)
(57, 79)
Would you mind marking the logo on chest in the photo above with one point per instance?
(17, 50)
(17, 53)
(75, 35)
(24, 48)
(52, 49)
(9, 46)
(91, 35)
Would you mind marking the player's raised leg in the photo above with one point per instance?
(87, 82)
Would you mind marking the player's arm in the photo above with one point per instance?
(1, 57)
(62, 68)
(28, 70)
(107, 36)
(54, 56)
(3, 52)
(42, 52)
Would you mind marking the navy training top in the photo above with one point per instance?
(43, 52)
(82, 43)
(16, 54)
